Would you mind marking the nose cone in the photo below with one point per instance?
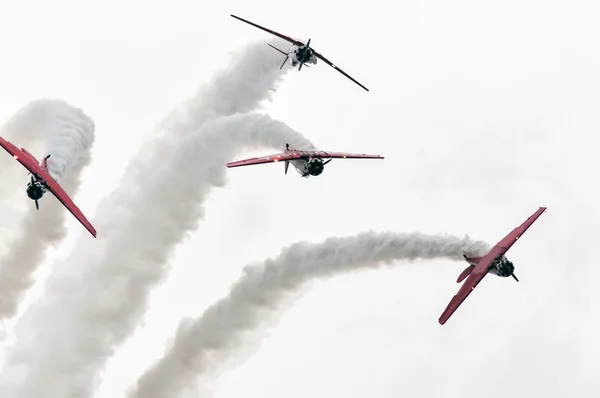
(34, 191)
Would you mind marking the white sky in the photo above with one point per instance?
(484, 112)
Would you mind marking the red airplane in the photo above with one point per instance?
(42, 181)
(494, 262)
(302, 54)
(307, 163)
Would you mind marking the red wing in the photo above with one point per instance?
(328, 62)
(481, 269)
(62, 196)
(516, 233)
(284, 37)
(466, 289)
(278, 157)
(343, 155)
(502, 247)
(28, 161)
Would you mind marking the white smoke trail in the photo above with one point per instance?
(251, 78)
(69, 136)
(264, 286)
(26, 128)
(84, 330)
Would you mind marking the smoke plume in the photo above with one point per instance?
(69, 135)
(264, 287)
(29, 128)
(251, 78)
(106, 307)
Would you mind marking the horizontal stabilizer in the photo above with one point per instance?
(281, 51)
(465, 273)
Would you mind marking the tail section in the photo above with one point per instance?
(287, 55)
(44, 163)
(465, 273)
(473, 261)
(287, 162)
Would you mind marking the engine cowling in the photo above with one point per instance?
(504, 267)
(35, 190)
(315, 166)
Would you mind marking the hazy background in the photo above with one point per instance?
(484, 112)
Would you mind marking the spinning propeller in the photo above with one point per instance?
(287, 54)
(37, 206)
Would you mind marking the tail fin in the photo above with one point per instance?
(472, 260)
(287, 162)
(287, 55)
(44, 163)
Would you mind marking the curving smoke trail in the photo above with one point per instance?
(69, 136)
(96, 318)
(265, 286)
(26, 128)
(251, 78)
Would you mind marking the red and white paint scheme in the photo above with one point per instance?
(307, 163)
(495, 262)
(42, 181)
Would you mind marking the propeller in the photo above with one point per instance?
(287, 56)
(513, 275)
(327, 161)
(307, 46)
(37, 206)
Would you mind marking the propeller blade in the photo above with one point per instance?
(300, 67)
(513, 275)
(327, 161)
(32, 180)
(37, 206)
(308, 43)
(284, 61)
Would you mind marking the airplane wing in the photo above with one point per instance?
(25, 159)
(278, 157)
(31, 164)
(344, 155)
(472, 280)
(328, 62)
(62, 196)
(284, 37)
(506, 243)
(481, 269)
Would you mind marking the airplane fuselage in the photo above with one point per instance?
(309, 166)
(36, 189)
(501, 266)
(303, 55)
